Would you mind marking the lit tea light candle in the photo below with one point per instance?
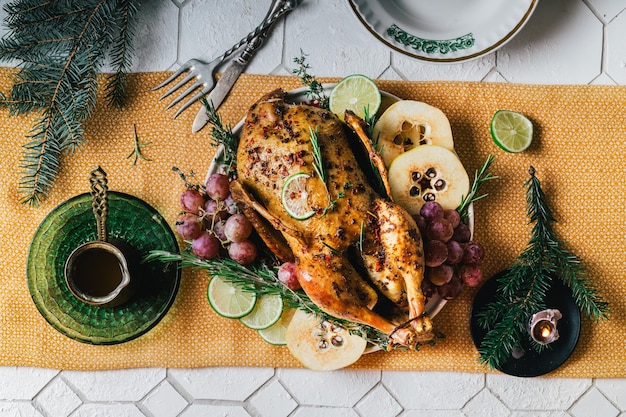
(542, 326)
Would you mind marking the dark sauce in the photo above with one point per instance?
(97, 272)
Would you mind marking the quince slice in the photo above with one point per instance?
(321, 346)
(407, 124)
(428, 173)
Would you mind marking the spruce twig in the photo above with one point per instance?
(523, 288)
(59, 47)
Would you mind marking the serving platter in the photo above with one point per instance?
(435, 303)
(71, 224)
(445, 31)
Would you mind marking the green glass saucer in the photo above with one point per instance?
(71, 224)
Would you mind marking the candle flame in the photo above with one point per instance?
(545, 331)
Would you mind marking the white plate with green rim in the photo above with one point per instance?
(445, 31)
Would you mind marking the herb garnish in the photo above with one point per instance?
(482, 176)
(316, 92)
(222, 135)
(522, 289)
(137, 145)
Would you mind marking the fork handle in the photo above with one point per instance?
(281, 7)
(255, 43)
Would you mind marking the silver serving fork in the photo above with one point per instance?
(203, 72)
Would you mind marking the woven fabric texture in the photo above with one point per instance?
(578, 152)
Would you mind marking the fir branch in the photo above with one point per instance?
(59, 47)
(222, 135)
(523, 288)
(481, 176)
(316, 92)
(262, 279)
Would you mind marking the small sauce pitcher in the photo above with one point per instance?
(98, 272)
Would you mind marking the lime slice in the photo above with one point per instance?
(266, 312)
(295, 197)
(228, 299)
(357, 93)
(511, 131)
(276, 333)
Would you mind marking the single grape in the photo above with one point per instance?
(431, 210)
(462, 233)
(435, 253)
(231, 205)
(441, 274)
(215, 210)
(453, 217)
(452, 289)
(471, 275)
(421, 223)
(188, 226)
(237, 228)
(439, 229)
(473, 253)
(455, 252)
(287, 275)
(192, 201)
(205, 246)
(218, 186)
(218, 230)
(242, 252)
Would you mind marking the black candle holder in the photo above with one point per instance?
(526, 361)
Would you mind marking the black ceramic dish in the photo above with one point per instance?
(533, 363)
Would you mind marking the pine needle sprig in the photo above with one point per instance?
(262, 279)
(59, 47)
(523, 288)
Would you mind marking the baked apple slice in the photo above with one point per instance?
(407, 124)
(428, 173)
(320, 346)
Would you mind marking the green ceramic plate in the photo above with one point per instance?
(71, 224)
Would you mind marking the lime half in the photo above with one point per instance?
(228, 299)
(276, 333)
(266, 312)
(357, 93)
(295, 197)
(511, 131)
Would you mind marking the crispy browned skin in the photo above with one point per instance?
(276, 143)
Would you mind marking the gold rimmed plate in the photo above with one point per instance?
(445, 31)
(71, 224)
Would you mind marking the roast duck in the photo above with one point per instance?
(358, 246)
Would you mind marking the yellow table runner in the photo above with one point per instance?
(579, 153)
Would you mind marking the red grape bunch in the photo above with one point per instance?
(452, 258)
(212, 223)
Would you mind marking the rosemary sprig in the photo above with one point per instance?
(522, 289)
(482, 176)
(137, 145)
(262, 279)
(316, 92)
(318, 163)
(222, 135)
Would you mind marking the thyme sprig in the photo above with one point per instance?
(262, 279)
(482, 176)
(316, 92)
(522, 289)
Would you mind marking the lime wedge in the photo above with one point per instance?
(266, 312)
(295, 197)
(228, 299)
(276, 333)
(511, 131)
(357, 93)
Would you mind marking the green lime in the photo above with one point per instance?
(295, 197)
(228, 299)
(357, 93)
(276, 333)
(266, 312)
(511, 131)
